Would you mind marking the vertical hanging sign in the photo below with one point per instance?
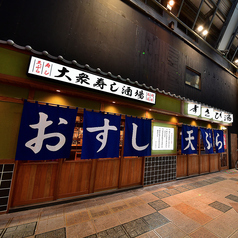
(101, 135)
(46, 132)
(219, 141)
(189, 139)
(137, 137)
(207, 140)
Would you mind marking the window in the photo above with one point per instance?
(193, 78)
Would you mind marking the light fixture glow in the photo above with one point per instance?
(113, 102)
(58, 90)
(171, 3)
(169, 7)
(236, 61)
(200, 28)
(205, 32)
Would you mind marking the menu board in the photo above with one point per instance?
(164, 138)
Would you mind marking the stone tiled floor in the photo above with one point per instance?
(205, 206)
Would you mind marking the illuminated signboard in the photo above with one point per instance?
(228, 117)
(207, 112)
(196, 110)
(62, 73)
(218, 115)
(164, 138)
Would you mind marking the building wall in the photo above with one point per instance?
(114, 36)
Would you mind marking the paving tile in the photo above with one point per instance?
(172, 192)
(106, 222)
(161, 194)
(149, 197)
(80, 230)
(199, 217)
(189, 186)
(215, 179)
(197, 184)
(203, 233)
(92, 236)
(155, 220)
(150, 234)
(197, 203)
(7, 220)
(232, 197)
(132, 202)
(211, 212)
(20, 231)
(181, 189)
(51, 212)
(50, 224)
(139, 192)
(159, 205)
(184, 208)
(204, 183)
(112, 198)
(115, 232)
(219, 228)
(235, 235)
(230, 218)
(74, 207)
(235, 206)
(136, 227)
(126, 215)
(25, 218)
(172, 200)
(94, 202)
(118, 206)
(128, 194)
(99, 211)
(143, 210)
(180, 220)
(60, 233)
(220, 206)
(171, 231)
(77, 217)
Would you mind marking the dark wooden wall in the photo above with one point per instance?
(117, 38)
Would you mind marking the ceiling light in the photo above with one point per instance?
(236, 61)
(58, 90)
(169, 7)
(171, 3)
(205, 32)
(200, 28)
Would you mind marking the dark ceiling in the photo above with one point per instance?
(219, 17)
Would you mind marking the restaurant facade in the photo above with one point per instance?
(71, 131)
